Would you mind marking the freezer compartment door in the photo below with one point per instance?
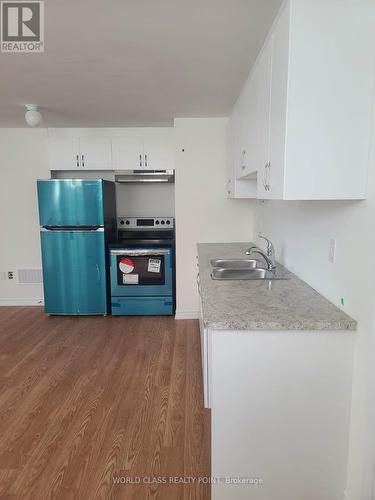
(74, 273)
(70, 202)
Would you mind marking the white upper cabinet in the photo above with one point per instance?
(263, 75)
(63, 153)
(151, 149)
(236, 187)
(252, 129)
(127, 153)
(329, 99)
(147, 152)
(247, 148)
(83, 153)
(96, 153)
(158, 152)
(274, 169)
(313, 83)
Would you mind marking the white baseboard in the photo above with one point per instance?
(187, 315)
(21, 302)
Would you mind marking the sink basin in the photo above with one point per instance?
(238, 274)
(235, 263)
(218, 273)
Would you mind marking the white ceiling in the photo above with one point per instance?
(135, 63)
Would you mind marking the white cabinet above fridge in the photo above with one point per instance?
(80, 153)
(111, 149)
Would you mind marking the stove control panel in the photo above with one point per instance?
(145, 223)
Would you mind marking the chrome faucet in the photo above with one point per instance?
(268, 255)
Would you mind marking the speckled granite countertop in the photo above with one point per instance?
(262, 305)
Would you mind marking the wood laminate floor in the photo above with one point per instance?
(90, 405)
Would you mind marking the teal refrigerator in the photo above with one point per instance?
(77, 222)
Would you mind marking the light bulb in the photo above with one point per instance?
(32, 116)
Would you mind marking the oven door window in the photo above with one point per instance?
(140, 270)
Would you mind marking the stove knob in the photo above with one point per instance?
(127, 222)
(157, 222)
(122, 222)
(168, 222)
(163, 222)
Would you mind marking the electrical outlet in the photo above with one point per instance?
(10, 275)
(332, 251)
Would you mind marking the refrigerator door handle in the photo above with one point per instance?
(98, 271)
(71, 230)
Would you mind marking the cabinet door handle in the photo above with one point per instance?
(145, 160)
(77, 160)
(140, 160)
(264, 177)
(243, 166)
(268, 180)
(83, 160)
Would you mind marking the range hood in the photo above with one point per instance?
(142, 176)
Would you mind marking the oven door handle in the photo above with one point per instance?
(133, 252)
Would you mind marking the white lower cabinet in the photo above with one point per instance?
(204, 337)
(280, 409)
(204, 352)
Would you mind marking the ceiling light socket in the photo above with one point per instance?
(32, 116)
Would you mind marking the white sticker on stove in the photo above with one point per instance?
(130, 279)
(154, 265)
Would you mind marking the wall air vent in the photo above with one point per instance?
(29, 276)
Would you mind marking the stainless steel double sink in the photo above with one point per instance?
(241, 269)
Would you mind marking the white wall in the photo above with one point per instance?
(145, 199)
(23, 160)
(203, 213)
(301, 233)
